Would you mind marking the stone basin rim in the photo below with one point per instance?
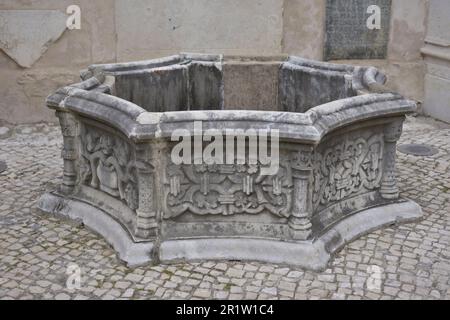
(90, 98)
(139, 124)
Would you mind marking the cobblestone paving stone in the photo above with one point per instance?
(36, 250)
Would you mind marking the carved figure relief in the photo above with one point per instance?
(227, 190)
(107, 165)
(347, 168)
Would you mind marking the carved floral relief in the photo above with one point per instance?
(107, 165)
(227, 190)
(346, 168)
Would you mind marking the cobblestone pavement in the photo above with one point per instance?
(410, 261)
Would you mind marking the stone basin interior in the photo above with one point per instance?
(233, 84)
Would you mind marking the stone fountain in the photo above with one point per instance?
(337, 127)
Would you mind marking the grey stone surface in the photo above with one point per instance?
(4, 132)
(438, 23)
(36, 250)
(119, 178)
(347, 35)
(133, 253)
(201, 25)
(313, 257)
(241, 92)
(316, 87)
(27, 47)
(437, 58)
(437, 97)
(205, 85)
(156, 90)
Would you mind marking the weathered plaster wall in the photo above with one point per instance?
(160, 27)
(437, 58)
(120, 30)
(404, 64)
(23, 90)
(304, 28)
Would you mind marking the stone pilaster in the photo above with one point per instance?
(392, 133)
(69, 129)
(300, 219)
(146, 222)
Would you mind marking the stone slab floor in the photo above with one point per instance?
(39, 252)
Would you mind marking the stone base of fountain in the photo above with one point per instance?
(311, 254)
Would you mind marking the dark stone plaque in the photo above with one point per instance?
(347, 33)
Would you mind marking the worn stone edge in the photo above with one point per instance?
(313, 255)
(129, 251)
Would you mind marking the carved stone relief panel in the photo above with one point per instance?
(107, 164)
(347, 166)
(227, 190)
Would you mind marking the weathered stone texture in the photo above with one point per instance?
(113, 30)
(437, 58)
(61, 62)
(408, 28)
(26, 34)
(303, 28)
(303, 89)
(347, 34)
(198, 25)
(242, 92)
(157, 90)
(205, 85)
(404, 65)
(438, 22)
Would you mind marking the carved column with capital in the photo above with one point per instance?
(300, 219)
(392, 133)
(146, 222)
(69, 129)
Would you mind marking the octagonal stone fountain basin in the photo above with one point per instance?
(336, 180)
